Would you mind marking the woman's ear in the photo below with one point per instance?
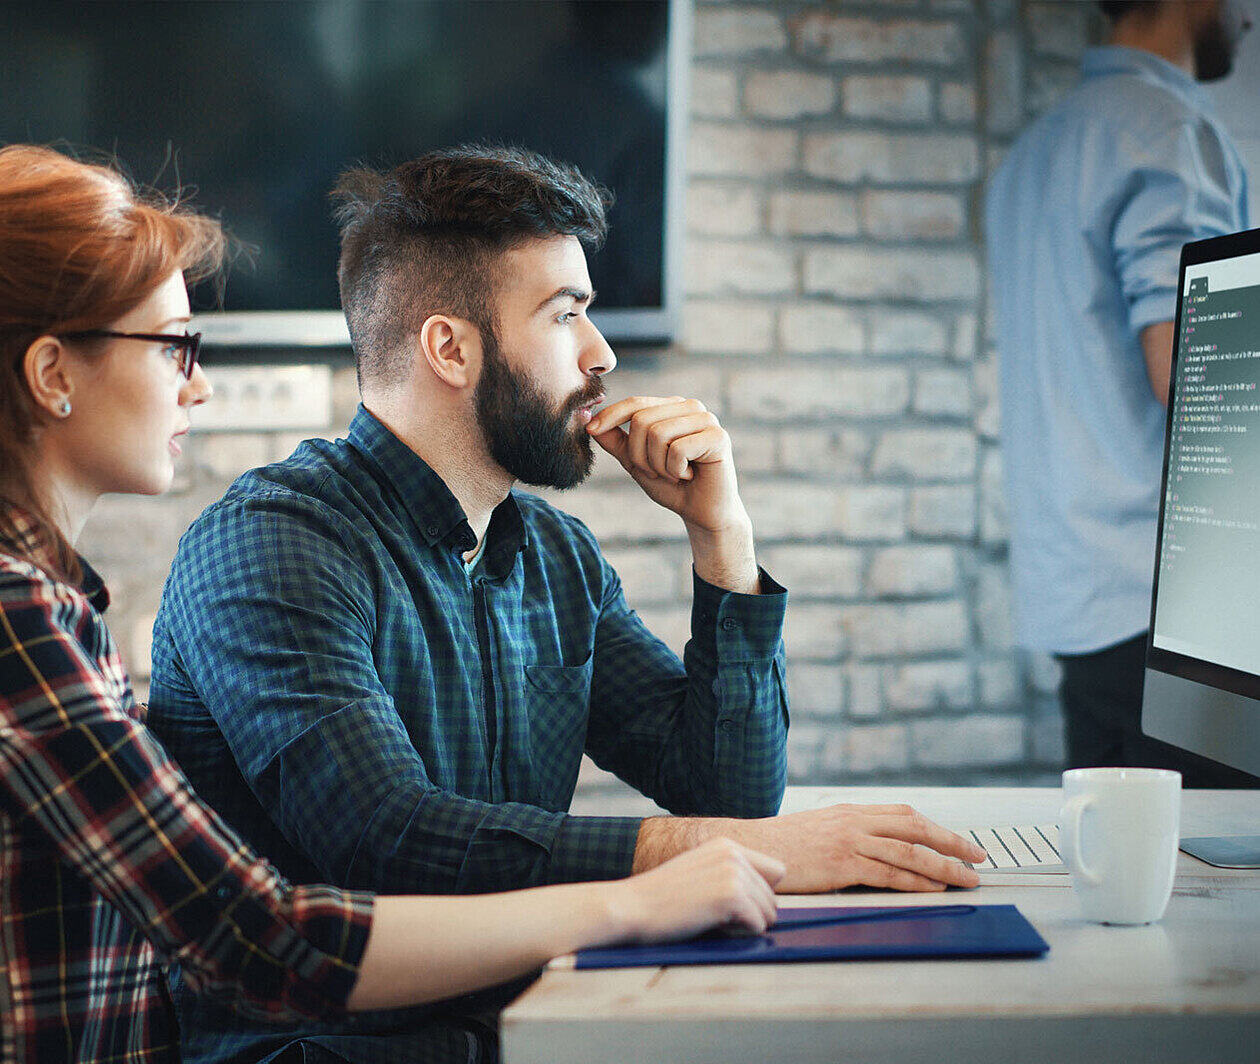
(49, 377)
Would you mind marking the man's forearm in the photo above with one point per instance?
(726, 559)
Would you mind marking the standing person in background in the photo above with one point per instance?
(1085, 221)
(109, 862)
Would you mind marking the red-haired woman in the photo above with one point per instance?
(109, 863)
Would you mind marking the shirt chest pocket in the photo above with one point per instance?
(557, 702)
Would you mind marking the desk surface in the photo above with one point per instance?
(1186, 989)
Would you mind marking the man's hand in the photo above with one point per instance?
(680, 456)
(838, 846)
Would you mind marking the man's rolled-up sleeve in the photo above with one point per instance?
(1180, 187)
(706, 735)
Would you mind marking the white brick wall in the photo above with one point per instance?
(834, 319)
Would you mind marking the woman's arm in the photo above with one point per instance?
(426, 948)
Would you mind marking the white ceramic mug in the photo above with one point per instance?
(1120, 828)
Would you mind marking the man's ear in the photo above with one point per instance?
(452, 348)
(48, 375)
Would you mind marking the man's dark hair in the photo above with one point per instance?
(423, 238)
(1115, 10)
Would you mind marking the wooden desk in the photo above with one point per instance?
(1184, 990)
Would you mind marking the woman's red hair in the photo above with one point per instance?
(80, 246)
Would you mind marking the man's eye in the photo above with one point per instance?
(566, 317)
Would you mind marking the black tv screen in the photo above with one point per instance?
(256, 107)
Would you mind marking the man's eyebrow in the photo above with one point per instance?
(578, 295)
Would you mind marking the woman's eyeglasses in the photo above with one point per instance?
(184, 348)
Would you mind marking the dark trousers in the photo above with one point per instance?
(1102, 712)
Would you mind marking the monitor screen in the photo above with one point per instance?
(1208, 593)
(256, 107)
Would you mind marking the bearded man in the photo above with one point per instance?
(382, 663)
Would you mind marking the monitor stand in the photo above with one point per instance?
(1226, 851)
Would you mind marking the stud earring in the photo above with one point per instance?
(64, 408)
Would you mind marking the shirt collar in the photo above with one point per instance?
(1115, 59)
(424, 496)
(21, 538)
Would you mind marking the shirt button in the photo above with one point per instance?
(223, 892)
(730, 624)
(726, 725)
(430, 531)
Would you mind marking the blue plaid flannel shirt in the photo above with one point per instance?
(369, 713)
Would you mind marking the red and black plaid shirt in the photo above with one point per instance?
(110, 864)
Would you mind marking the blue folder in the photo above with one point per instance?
(851, 933)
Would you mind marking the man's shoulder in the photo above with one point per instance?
(543, 518)
(312, 486)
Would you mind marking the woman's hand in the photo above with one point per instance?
(719, 883)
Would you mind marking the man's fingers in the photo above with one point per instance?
(618, 413)
(917, 828)
(919, 860)
(617, 444)
(876, 873)
(771, 869)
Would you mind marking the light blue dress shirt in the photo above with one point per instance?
(1085, 220)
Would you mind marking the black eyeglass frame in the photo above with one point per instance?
(189, 343)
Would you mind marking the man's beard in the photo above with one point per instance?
(1217, 42)
(529, 440)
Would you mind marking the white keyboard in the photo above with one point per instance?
(1025, 848)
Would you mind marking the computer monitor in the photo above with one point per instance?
(1202, 690)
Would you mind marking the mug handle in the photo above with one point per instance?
(1073, 812)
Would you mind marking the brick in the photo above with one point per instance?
(807, 213)
(814, 390)
(941, 512)
(740, 150)
(929, 685)
(964, 349)
(999, 682)
(814, 631)
(649, 575)
(841, 39)
(813, 329)
(892, 158)
(1004, 83)
(140, 655)
(957, 102)
(670, 624)
(926, 454)
(912, 570)
(756, 450)
(817, 690)
(942, 393)
(345, 399)
(617, 512)
(993, 607)
(815, 570)
(804, 750)
(727, 327)
(1058, 29)
(737, 31)
(714, 92)
(866, 693)
(994, 518)
(1048, 742)
(877, 748)
(1044, 673)
(788, 94)
(982, 739)
(720, 209)
(857, 513)
(868, 273)
(838, 452)
(887, 97)
(742, 267)
(677, 376)
(907, 332)
(890, 215)
(884, 630)
(226, 455)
